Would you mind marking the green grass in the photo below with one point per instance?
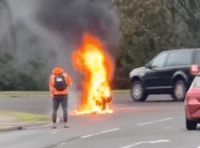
(27, 117)
(16, 94)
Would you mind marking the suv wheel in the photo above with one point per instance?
(191, 125)
(179, 90)
(137, 92)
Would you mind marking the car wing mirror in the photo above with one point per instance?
(151, 66)
(194, 70)
(154, 66)
(148, 65)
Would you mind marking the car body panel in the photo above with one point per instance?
(184, 72)
(160, 80)
(192, 107)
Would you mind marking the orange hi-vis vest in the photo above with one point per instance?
(52, 88)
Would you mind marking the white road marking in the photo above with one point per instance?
(144, 123)
(146, 142)
(87, 136)
(103, 132)
(54, 132)
(160, 141)
(168, 127)
(63, 143)
(161, 120)
(111, 130)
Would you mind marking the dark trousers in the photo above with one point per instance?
(56, 102)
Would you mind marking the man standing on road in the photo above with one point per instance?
(59, 81)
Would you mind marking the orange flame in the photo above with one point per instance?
(97, 67)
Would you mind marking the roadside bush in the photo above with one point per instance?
(21, 76)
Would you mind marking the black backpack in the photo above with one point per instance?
(60, 83)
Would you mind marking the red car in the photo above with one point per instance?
(192, 100)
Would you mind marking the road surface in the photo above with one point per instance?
(158, 122)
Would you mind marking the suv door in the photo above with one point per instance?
(151, 78)
(178, 61)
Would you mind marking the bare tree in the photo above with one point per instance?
(189, 11)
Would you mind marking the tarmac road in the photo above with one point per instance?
(158, 122)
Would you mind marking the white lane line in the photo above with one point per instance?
(87, 136)
(145, 123)
(168, 127)
(63, 143)
(160, 141)
(161, 120)
(54, 132)
(111, 130)
(146, 142)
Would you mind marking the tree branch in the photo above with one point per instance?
(188, 11)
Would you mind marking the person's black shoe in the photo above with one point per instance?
(65, 125)
(54, 126)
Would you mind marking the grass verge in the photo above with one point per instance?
(16, 94)
(27, 117)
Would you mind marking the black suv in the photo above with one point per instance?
(167, 73)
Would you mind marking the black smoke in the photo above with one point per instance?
(71, 18)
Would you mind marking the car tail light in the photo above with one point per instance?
(194, 70)
(192, 100)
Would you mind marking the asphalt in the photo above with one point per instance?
(158, 122)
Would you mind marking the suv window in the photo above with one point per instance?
(179, 58)
(197, 57)
(159, 60)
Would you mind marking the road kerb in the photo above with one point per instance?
(10, 128)
(23, 127)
